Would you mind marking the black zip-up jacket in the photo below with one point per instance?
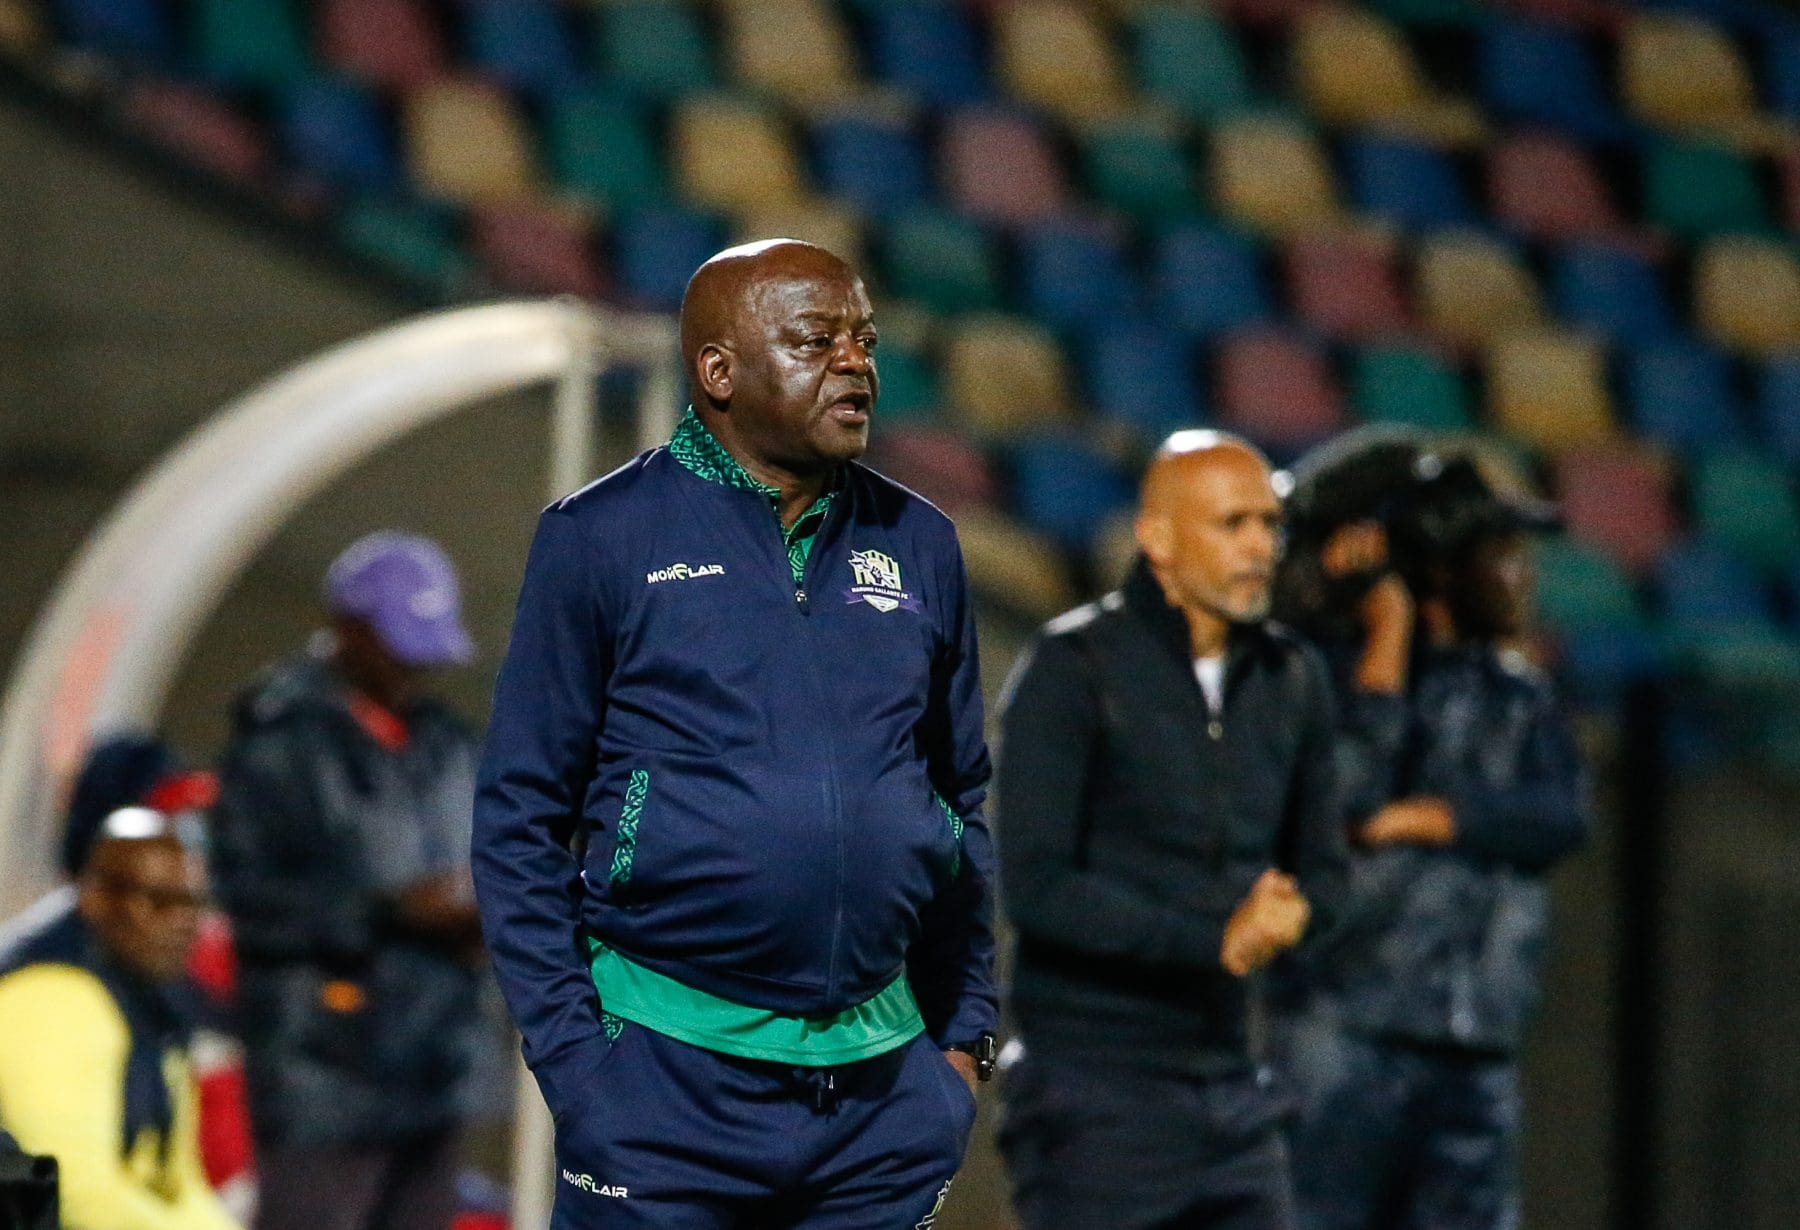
(1132, 821)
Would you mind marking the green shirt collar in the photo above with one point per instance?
(700, 452)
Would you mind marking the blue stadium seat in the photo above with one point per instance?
(1782, 59)
(521, 43)
(1778, 407)
(929, 49)
(877, 165)
(1208, 281)
(1064, 487)
(132, 29)
(1543, 75)
(1612, 292)
(1143, 376)
(658, 251)
(1701, 583)
(1680, 394)
(335, 129)
(1406, 181)
(1074, 275)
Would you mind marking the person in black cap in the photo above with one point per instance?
(340, 849)
(1463, 787)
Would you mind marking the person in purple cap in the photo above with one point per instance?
(340, 851)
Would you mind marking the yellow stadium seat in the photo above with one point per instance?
(1470, 289)
(1055, 54)
(1682, 72)
(1747, 294)
(22, 27)
(467, 142)
(734, 155)
(1548, 390)
(1354, 69)
(796, 51)
(1004, 375)
(830, 224)
(1271, 173)
(1006, 558)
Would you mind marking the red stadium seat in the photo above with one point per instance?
(1344, 286)
(1545, 187)
(1278, 390)
(1605, 16)
(199, 127)
(393, 43)
(1617, 498)
(943, 466)
(538, 249)
(1000, 166)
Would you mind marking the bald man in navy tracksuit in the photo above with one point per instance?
(728, 846)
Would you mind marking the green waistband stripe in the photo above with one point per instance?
(888, 1020)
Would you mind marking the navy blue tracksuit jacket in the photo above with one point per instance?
(766, 757)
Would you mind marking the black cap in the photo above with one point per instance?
(1450, 503)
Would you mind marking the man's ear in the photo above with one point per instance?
(1156, 537)
(712, 372)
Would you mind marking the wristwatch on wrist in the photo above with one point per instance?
(983, 1050)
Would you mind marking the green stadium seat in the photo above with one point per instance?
(1696, 188)
(1138, 166)
(1580, 589)
(411, 243)
(601, 147)
(1745, 501)
(1408, 385)
(943, 261)
(251, 42)
(1189, 60)
(909, 390)
(654, 49)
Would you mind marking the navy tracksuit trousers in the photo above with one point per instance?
(681, 1138)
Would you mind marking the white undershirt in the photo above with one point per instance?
(1211, 674)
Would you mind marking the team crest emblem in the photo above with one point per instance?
(878, 582)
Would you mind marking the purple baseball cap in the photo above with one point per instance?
(405, 587)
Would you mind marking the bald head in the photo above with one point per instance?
(1210, 524)
(777, 339)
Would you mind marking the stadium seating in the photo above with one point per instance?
(391, 43)
(1549, 390)
(1564, 224)
(467, 141)
(1004, 377)
(1055, 55)
(1408, 385)
(1681, 395)
(1354, 69)
(1473, 289)
(1208, 281)
(999, 166)
(1747, 295)
(600, 147)
(731, 153)
(1278, 389)
(1345, 287)
(1188, 60)
(1271, 173)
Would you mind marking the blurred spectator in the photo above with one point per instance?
(1463, 787)
(341, 850)
(95, 1029)
(1168, 826)
(139, 770)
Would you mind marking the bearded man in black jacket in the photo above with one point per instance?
(1167, 826)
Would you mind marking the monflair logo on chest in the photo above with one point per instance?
(877, 582)
(684, 572)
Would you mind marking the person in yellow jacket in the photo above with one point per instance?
(94, 1065)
